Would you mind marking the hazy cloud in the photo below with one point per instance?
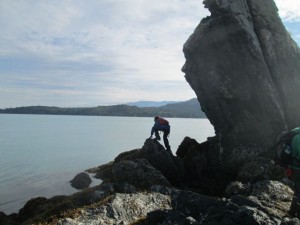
(289, 10)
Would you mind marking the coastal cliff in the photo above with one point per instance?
(244, 68)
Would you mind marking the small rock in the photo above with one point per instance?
(81, 181)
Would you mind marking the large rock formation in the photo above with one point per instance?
(245, 70)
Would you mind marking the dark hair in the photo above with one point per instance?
(155, 118)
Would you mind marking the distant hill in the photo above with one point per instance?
(187, 109)
(150, 103)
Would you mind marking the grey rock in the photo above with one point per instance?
(164, 190)
(164, 161)
(138, 173)
(124, 188)
(288, 221)
(273, 195)
(238, 188)
(193, 204)
(272, 190)
(232, 65)
(267, 203)
(251, 216)
(81, 181)
(254, 170)
(120, 209)
(203, 166)
(246, 201)
(185, 146)
(192, 208)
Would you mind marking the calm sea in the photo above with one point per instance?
(40, 154)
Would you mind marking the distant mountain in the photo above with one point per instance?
(150, 103)
(188, 109)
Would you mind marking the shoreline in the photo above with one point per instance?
(137, 180)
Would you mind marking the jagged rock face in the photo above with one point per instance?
(244, 68)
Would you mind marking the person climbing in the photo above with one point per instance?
(161, 124)
(291, 145)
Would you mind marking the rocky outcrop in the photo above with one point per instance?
(139, 173)
(164, 206)
(48, 211)
(201, 209)
(244, 68)
(137, 191)
(204, 171)
(155, 158)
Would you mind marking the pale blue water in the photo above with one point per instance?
(39, 154)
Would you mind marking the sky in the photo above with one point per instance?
(80, 53)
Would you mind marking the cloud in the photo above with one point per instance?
(100, 46)
(289, 10)
(90, 52)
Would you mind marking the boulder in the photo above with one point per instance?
(232, 64)
(138, 173)
(185, 146)
(103, 172)
(81, 181)
(171, 167)
(154, 153)
(203, 166)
